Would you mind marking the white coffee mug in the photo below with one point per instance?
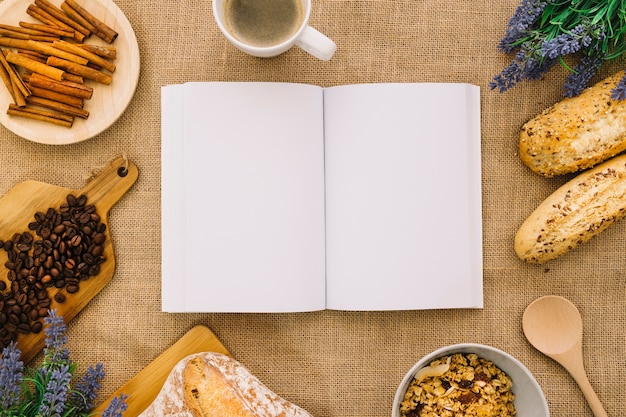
(306, 37)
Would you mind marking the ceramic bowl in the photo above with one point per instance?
(529, 398)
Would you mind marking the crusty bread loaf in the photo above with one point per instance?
(576, 133)
(574, 213)
(210, 384)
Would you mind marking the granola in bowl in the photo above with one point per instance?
(459, 384)
(469, 380)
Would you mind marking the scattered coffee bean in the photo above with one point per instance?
(62, 248)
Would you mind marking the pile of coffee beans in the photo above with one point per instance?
(62, 248)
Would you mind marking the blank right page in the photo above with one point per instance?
(403, 196)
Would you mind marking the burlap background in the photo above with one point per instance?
(341, 363)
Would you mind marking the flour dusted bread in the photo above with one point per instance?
(574, 213)
(576, 133)
(211, 384)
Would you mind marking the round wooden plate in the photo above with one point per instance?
(108, 101)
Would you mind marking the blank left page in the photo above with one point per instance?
(253, 205)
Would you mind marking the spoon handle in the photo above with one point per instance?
(577, 370)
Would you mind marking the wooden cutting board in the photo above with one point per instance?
(17, 209)
(143, 389)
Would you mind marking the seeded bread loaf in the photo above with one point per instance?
(574, 213)
(576, 133)
(210, 384)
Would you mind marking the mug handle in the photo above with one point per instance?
(316, 43)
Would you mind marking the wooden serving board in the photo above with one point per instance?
(17, 209)
(143, 389)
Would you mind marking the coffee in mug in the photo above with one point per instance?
(266, 28)
(263, 23)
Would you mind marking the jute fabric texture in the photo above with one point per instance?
(334, 363)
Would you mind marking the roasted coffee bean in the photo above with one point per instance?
(75, 240)
(22, 299)
(36, 327)
(65, 247)
(99, 238)
(97, 251)
(89, 258)
(71, 200)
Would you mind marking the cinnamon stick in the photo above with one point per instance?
(6, 79)
(64, 87)
(42, 115)
(91, 57)
(45, 17)
(102, 30)
(43, 112)
(47, 29)
(53, 95)
(25, 30)
(43, 47)
(35, 66)
(82, 70)
(54, 11)
(35, 12)
(103, 51)
(15, 34)
(16, 81)
(33, 55)
(60, 107)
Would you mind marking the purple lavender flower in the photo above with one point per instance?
(577, 81)
(619, 92)
(569, 42)
(521, 21)
(534, 68)
(525, 66)
(11, 372)
(55, 350)
(86, 390)
(57, 391)
(116, 407)
(509, 76)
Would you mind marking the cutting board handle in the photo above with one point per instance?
(111, 183)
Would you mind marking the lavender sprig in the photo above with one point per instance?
(56, 394)
(86, 389)
(11, 374)
(55, 352)
(116, 407)
(543, 32)
(520, 22)
(46, 391)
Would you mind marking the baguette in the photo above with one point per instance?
(210, 384)
(576, 133)
(578, 210)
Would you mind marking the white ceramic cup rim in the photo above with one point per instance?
(262, 50)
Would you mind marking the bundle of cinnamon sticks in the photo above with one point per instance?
(44, 65)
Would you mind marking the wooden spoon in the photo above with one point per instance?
(553, 325)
